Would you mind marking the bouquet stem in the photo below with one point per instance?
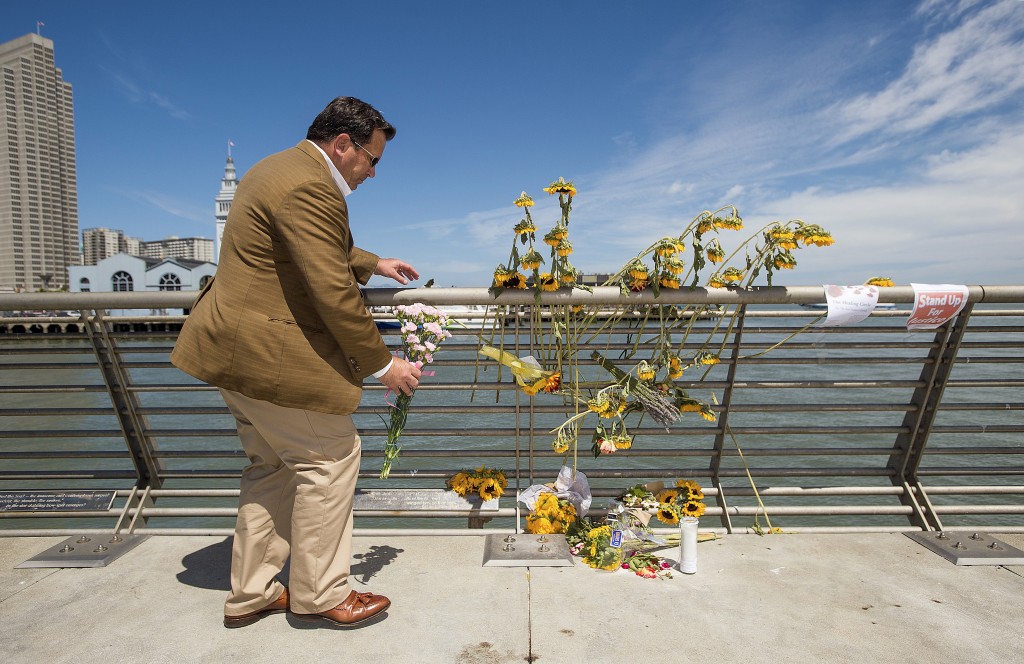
(399, 413)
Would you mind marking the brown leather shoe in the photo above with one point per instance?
(279, 605)
(357, 608)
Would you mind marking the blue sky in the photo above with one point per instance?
(898, 126)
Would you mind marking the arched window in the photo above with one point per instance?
(83, 285)
(170, 281)
(204, 280)
(121, 282)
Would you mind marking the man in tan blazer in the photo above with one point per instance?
(283, 332)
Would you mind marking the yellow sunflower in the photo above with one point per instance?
(667, 496)
(675, 367)
(523, 201)
(560, 186)
(552, 238)
(515, 280)
(693, 508)
(564, 248)
(645, 371)
(732, 274)
(666, 248)
(669, 280)
(881, 282)
(547, 282)
(668, 514)
(716, 281)
(674, 265)
(707, 358)
(715, 252)
(784, 261)
(525, 227)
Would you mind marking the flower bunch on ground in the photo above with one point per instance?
(551, 514)
(595, 546)
(488, 483)
(686, 498)
(423, 328)
(647, 565)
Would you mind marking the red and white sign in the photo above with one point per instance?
(935, 304)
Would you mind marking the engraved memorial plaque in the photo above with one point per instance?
(56, 501)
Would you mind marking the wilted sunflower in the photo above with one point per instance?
(515, 280)
(501, 275)
(532, 260)
(882, 282)
(564, 248)
(622, 441)
(637, 285)
(645, 371)
(525, 227)
(705, 225)
(716, 281)
(552, 238)
(568, 278)
(524, 200)
(560, 186)
(785, 261)
(715, 252)
(732, 274)
(674, 265)
(547, 282)
(675, 367)
(668, 280)
(637, 270)
(706, 357)
(666, 247)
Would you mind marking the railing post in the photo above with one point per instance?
(723, 416)
(909, 447)
(124, 401)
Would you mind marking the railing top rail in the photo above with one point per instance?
(602, 295)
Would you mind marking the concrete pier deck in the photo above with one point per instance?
(793, 598)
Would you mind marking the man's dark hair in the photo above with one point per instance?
(348, 115)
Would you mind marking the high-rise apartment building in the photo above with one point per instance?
(192, 248)
(100, 243)
(38, 190)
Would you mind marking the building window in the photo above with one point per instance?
(204, 280)
(122, 282)
(83, 285)
(170, 281)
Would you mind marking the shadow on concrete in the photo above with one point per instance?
(374, 561)
(209, 567)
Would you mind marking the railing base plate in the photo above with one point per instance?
(85, 551)
(524, 550)
(965, 548)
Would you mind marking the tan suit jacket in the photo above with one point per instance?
(284, 321)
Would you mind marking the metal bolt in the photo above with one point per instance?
(976, 537)
(543, 548)
(82, 540)
(542, 539)
(959, 545)
(114, 540)
(510, 539)
(508, 547)
(67, 549)
(99, 549)
(942, 535)
(995, 547)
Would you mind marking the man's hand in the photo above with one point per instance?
(397, 269)
(403, 376)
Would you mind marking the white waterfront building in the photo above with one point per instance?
(124, 273)
(222, 204)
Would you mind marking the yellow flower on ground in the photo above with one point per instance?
(524, 200)
(564, 248)
(693, 508)
(525, 227)
(547, 282)
(667, 495)
(668, 514)
(882, 282)
(560, 186)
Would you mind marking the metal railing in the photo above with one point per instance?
(866, 427)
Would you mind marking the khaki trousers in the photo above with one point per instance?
(296, 500)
